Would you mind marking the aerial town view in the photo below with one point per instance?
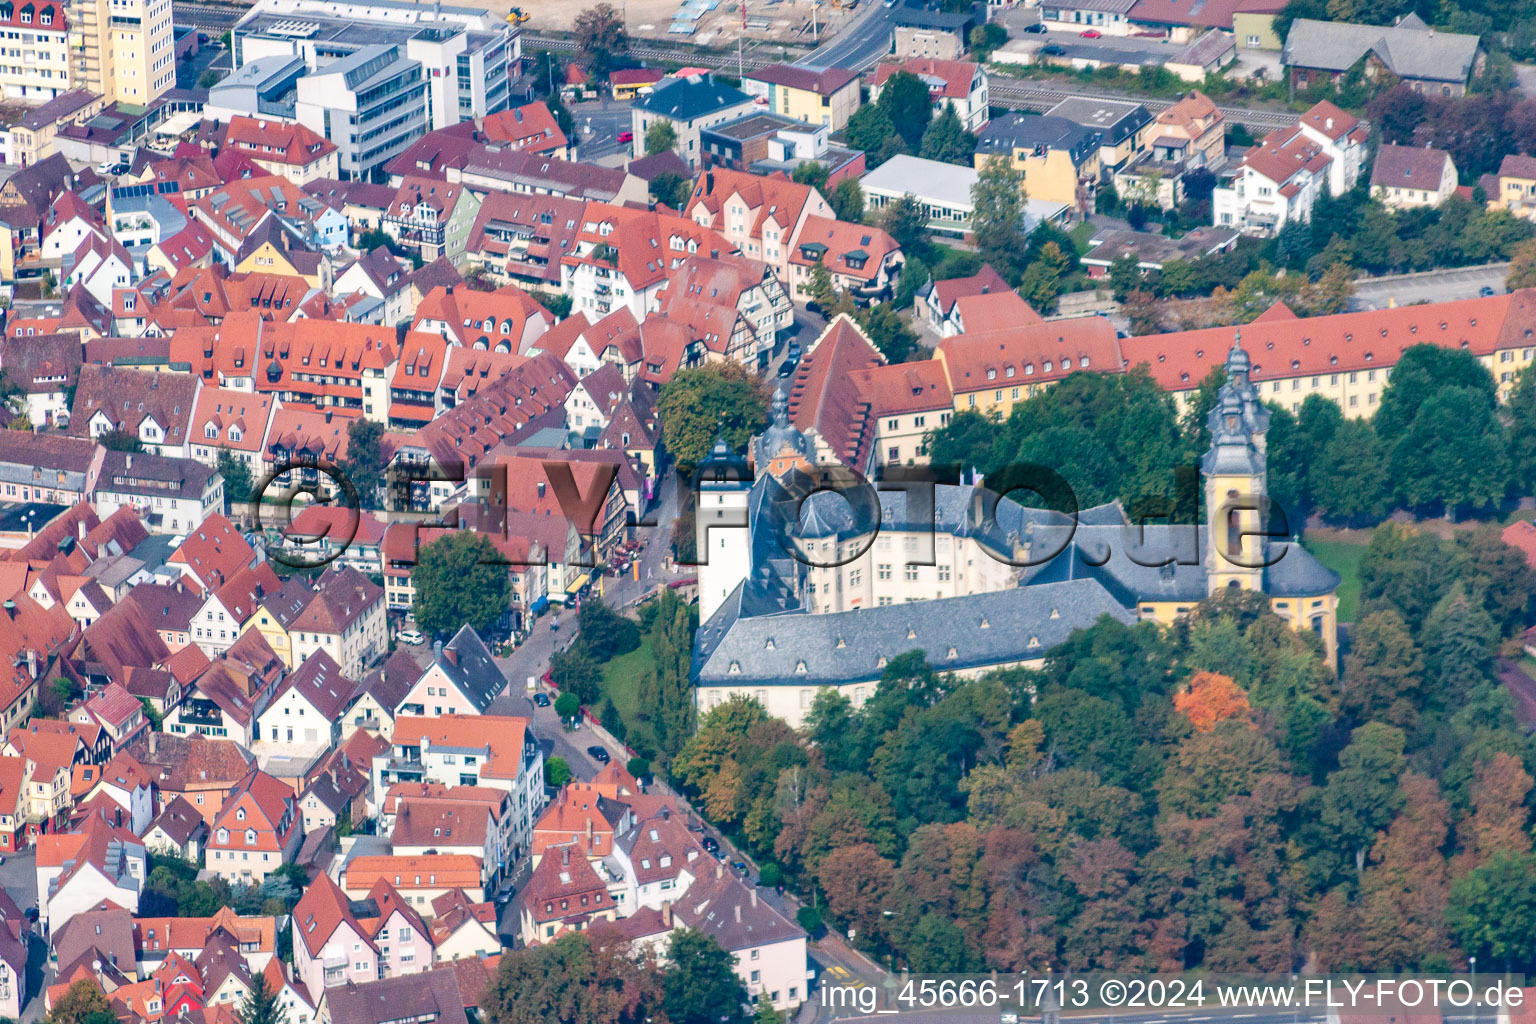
(768, 512)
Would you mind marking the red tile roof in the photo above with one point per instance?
(955, 75)
(277, 141)
(1341, 342)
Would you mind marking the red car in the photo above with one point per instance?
(1091, 33)
(626, 136)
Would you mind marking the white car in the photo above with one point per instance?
(410, 636)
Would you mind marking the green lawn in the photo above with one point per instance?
(1081, 234)
(621, 681)
(1343, 558)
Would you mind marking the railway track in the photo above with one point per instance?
(1011, 93)
(215, 16)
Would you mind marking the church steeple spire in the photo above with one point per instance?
(1235, 479)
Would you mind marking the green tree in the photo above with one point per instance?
(364, 462)
(1492, 912)
(870, 130)
(660, 137)
(905, 222)
(568, 706)
(581, 976)
(239, 486)
(460, 579)
(700, 985)
(1453, 453)
(1124, 276)
(946, 139)
(82, 1003)
(889, 332)
(1460, 642)
(813, 173)
(120, 441)
(1383, 672)
(600, 34)
(605, 633)
(666, 689)
(906, 101)
(557, 771)
(261, 1004)
(698, 405)
(998, 223)
(1522, 267)
(1363, 795)
(671, 189)
(576, 673)
(847, 200)
(1521, 413)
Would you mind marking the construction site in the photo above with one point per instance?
(715, 23)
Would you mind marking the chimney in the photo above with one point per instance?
(80, 526)
(543, 486)
(10, 608)
(666, 914)
(152, 743)
(754, 898)
(127, 463)
(738, 913)
(437, 649)
(565, 856)
(328, 414)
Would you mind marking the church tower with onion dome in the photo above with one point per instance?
(1234, 468)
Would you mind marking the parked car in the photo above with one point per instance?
(1486, 290)
(1053, 51)
(598, 754)
(740, 865)
(710, 844)
(541, 700)
(787, 367)
(412, 637)
(626, 136)
(1091, 33)
(1036, 29)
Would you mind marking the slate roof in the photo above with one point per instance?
(1027, 131)
(686, 99)
(470, 668)
(1408, 49)
(800, 649)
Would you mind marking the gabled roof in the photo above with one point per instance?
(429, 996)
(531, 127)
(822, 81)
(215, 552)
(950, 79)
(1409, 49)
(127, 398)
(563, 875)
(179, 821)
(824, 398)
(469, 667)
(279, 142)
(322, 909)
(320, 682)
(1410, 167)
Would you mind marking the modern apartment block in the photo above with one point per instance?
(122, 50)
(34, 50)
(445, 64)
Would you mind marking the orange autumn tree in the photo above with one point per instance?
(1209, 699)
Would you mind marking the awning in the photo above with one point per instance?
(577, 583)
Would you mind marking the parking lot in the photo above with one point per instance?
(1103, 50)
